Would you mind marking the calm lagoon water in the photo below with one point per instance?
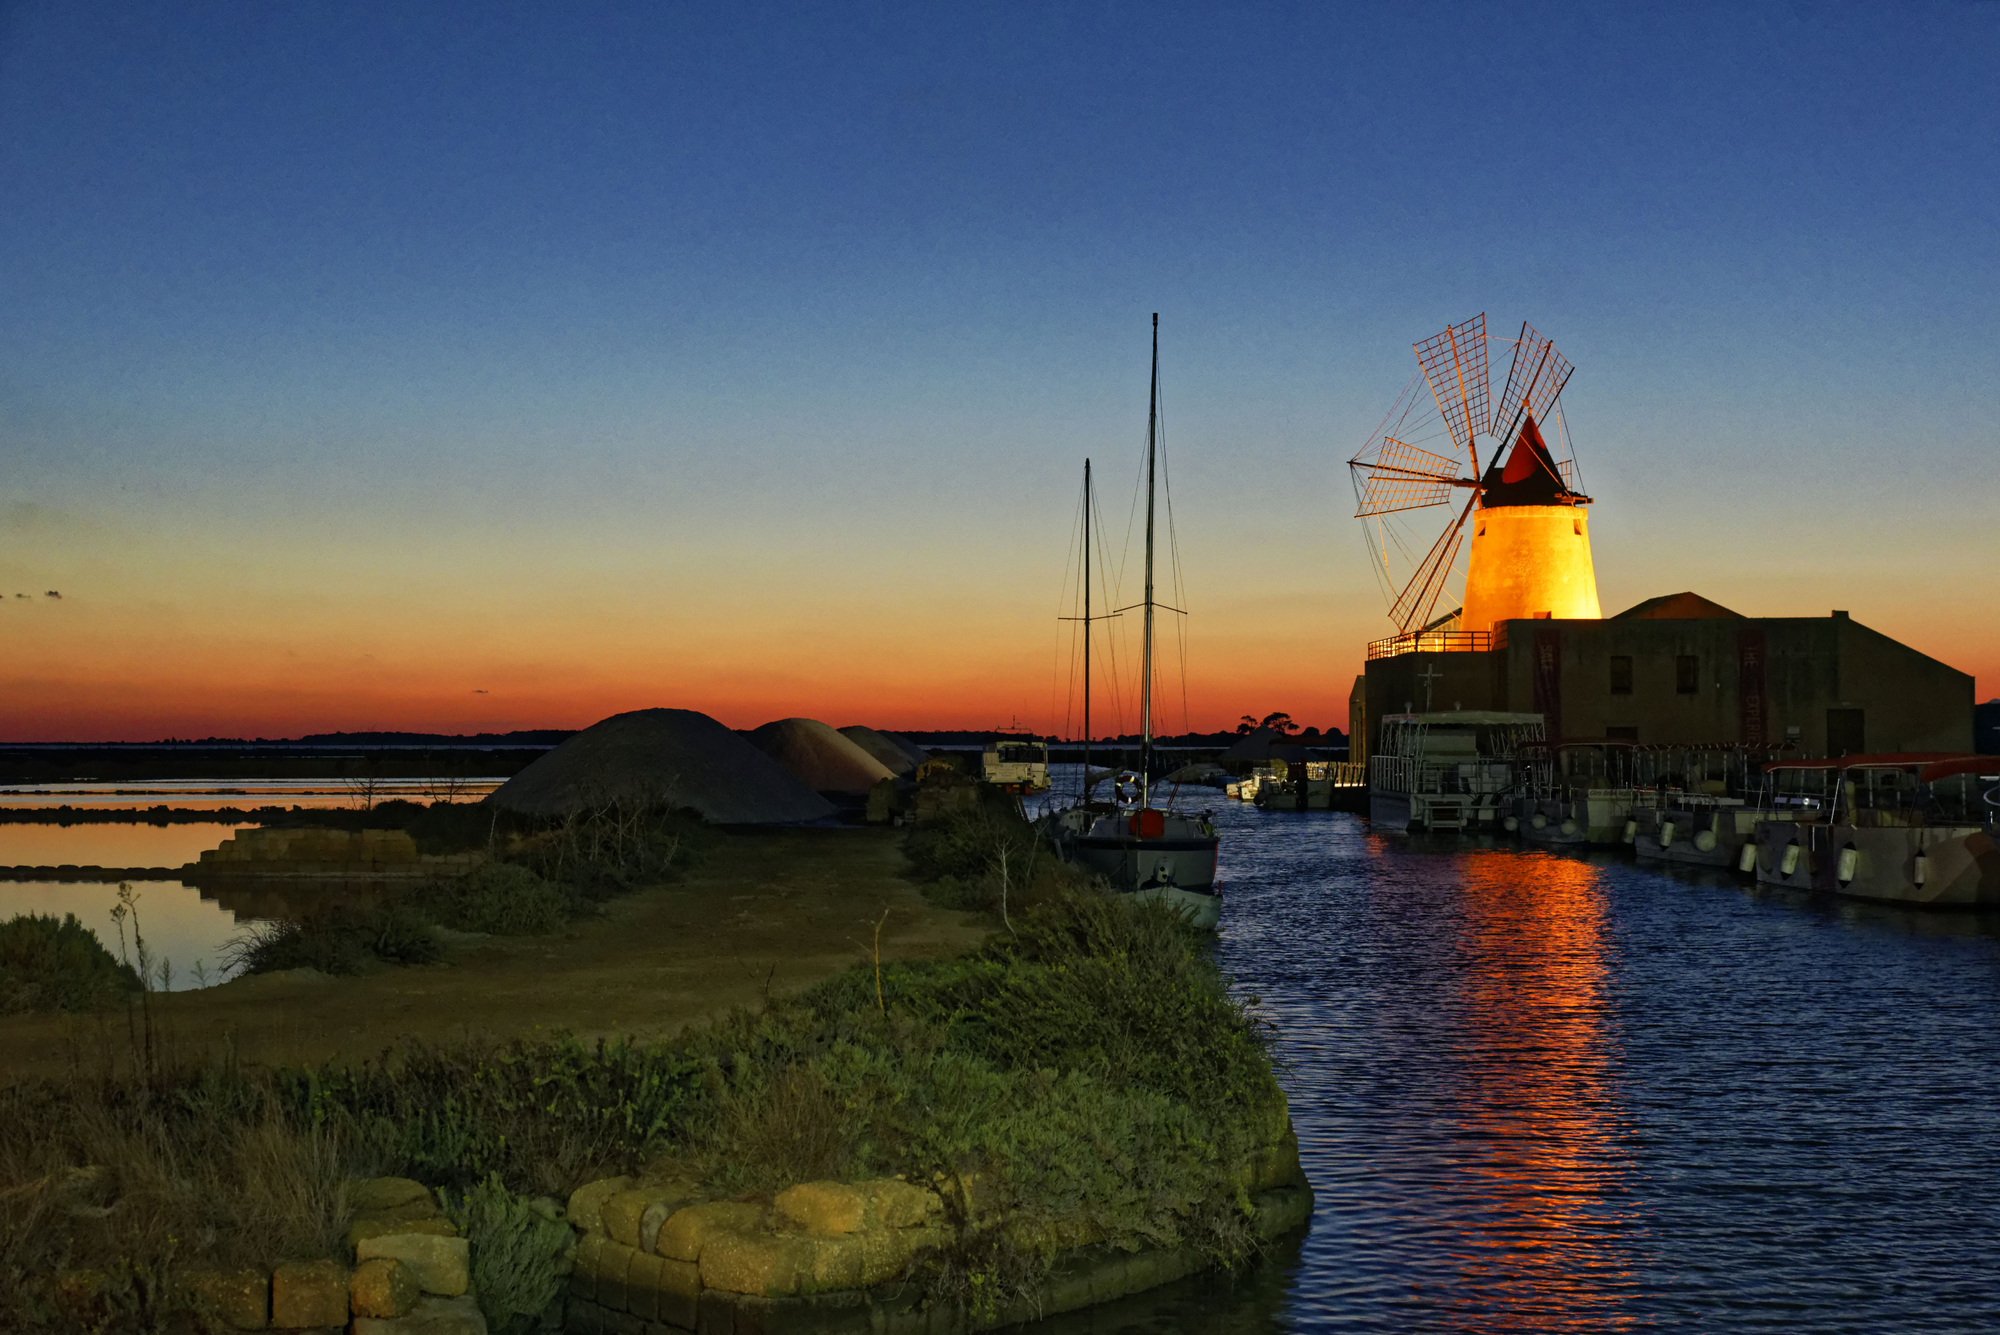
(245, 793)
(1542, 1092)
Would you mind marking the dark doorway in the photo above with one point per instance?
(1687, 674)
(1844, 734)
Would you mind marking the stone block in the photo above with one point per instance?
(382, 1286)
(240, 1298)
(623, 1323)
(431, 1316)
(380, 1225)
(583, 1267)
(686, 1231)
(680, 1292)
(634, 1216)
(642, 1286)
(767, 1264)
(441, 1266)
(837, 1263)
(828, 1208)
(309, 1293)
(897, 1204)
(376, 1195)
(614, 1263)
(586, 1203)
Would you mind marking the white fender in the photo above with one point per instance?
(1568, 826)
(1923, 869)
(1539, 821)
(1747, 860)
(1512, 823)
(1705, 841)
(1631, 830)
(1850, 862)
(1790, 863)
(1667, 836)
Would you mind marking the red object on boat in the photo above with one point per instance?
(1149, 824)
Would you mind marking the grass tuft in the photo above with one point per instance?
(58, 964)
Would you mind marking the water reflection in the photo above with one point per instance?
(1534, 1110)
(183, 929)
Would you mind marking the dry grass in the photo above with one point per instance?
(134, 1181)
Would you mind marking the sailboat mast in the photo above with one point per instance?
(1146, 682)
(1086, 632)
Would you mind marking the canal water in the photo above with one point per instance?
(1549, 1092)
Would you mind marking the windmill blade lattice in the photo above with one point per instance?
(1534, 380)
(1420, 595)
(1403, 477)
(1454, 365)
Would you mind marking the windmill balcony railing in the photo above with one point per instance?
(1439, 642)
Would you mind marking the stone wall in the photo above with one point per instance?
(361, 855)
(830, 1257)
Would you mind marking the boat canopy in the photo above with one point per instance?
(1985, 766)
(1886, 760)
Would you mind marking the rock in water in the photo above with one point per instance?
(889, 750)
(663, 757)
(825, 760)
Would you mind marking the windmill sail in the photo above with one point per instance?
(1534, 380)
(1403, 477)
(1454, 366)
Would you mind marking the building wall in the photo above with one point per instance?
(1769, 679)
(1399, 685)
(1810, 665)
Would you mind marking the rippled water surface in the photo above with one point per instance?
(1545, 1092)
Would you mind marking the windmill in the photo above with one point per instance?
(1530, 554)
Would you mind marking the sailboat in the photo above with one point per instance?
(1141, 850)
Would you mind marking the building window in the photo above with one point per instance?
(1687, 674)
(1622, 734)
(1844, 732)
(1621, 674)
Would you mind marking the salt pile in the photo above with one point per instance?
(825, 760)
(901, 755)
(673, 757)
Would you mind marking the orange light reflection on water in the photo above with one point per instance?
(1536, 1107)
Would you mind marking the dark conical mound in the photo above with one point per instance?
(891, 750)
(672, 757)
(827, 761)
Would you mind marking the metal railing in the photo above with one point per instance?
(1439, 642)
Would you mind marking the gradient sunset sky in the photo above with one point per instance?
(473, 367)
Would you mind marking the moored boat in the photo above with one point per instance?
(1456, 770)
(1914, 829)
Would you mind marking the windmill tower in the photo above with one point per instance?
(1530, 553)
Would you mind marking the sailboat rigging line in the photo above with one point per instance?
(1055, 668)
(1111, 641)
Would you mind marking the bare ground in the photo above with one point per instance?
(764, 914)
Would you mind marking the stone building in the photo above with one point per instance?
(1680, 669)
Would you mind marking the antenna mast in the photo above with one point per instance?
(1146, 682)
(1086, 634)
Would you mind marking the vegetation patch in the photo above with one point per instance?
(58, 964)
(986, 857)
(1084, 1077)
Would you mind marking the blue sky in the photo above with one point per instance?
(306, 298)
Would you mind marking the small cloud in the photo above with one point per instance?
(20, 595)
(479, 690)
(53, 594)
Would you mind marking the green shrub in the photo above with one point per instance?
(503, 899)
(338, 939)
(58, 964)
(516, 1252)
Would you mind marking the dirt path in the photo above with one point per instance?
(776, 911)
